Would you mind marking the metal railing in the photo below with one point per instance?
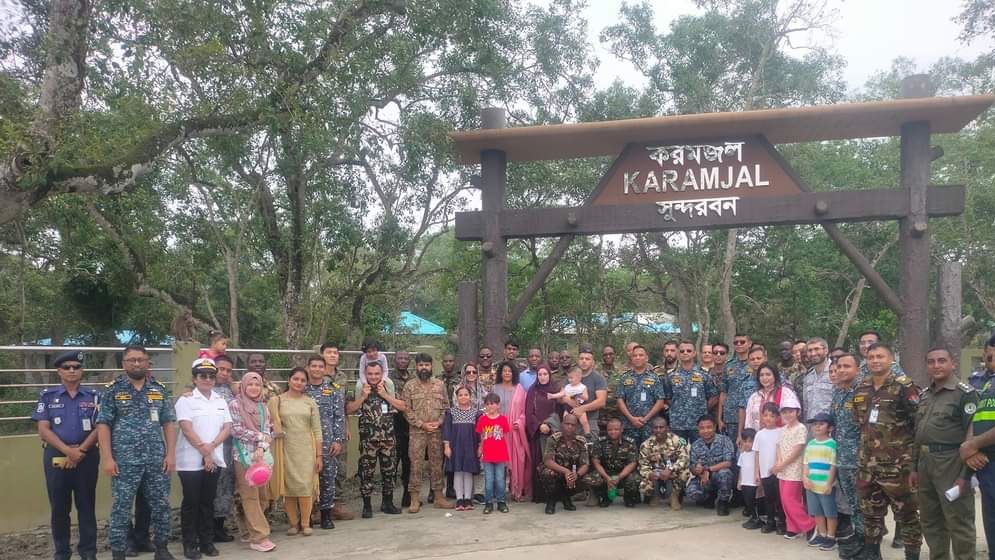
(11, 405)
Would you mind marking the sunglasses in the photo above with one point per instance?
(207, 375)
(739, 342)
(685, 351)
(485, 356)
(720, 352)
(76, 367)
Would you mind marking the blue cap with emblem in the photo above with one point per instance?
(72, 356)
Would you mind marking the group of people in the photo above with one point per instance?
(816, 443)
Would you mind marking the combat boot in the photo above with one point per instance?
(675, 500)
(602, 496)
(896, 542)
(911, 554)
(722, 507)
(367, 508)
(326, 519)
(415, 506)
(191, 551)
(568, 503)
(441, 502)
(162, 553)
(339, 513)
(871, 552)
(551, 506)
(387, 504)
(431, 497)
(118, 555)
(752, 523)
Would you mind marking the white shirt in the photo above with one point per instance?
(765, 443)
(208, 416)
(748, 468)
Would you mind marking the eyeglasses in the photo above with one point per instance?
(739, 342)
(135, 360)
(71, 367)
(686, 351)
(469, 371)
(207, 375)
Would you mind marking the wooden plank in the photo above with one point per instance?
(836, 206)
(913, 236)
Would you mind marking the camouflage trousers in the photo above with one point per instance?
(420, 441)
(371, 451)
(155, 486)
(720, 484)
(847, 477)
(554, 485)
(326, 481)
(342, 460)
(628, 486)
(677, 482)
(636, 435)
(876, 491)
(224, 498)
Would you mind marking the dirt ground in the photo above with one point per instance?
(525, 533)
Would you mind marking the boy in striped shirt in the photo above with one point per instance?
(819, 476)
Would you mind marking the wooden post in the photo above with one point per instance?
(466, 325)
(494, 178)
(949, 297)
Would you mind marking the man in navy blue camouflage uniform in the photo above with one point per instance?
(137, 432)
(331, 409)
(692, 392)
(712, 457)
(641, 396)
(66, 417)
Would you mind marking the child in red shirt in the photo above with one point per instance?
(494, 431)
(217, 343)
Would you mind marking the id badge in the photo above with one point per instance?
(154, 415)
(694, 392)
(384, 408)
(873, 418)
(87, 425)
(642, 396)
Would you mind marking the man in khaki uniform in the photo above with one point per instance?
(425, 407)
(942, 420)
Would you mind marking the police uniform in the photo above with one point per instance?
(979, 379)
(639, 392)
(135, 418)
(720, 484)
(737, 384)
(689, 392)
(376, 442)
(670, 454)
(72, 419)
(984, 420)
(886, 417)
(615, 456)
(331, 410)
(942, 419)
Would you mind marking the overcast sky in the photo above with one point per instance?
(869, 34)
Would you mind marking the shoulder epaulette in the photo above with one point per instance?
(904, 380)
(965, 387)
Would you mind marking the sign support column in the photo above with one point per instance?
(494, 178)
(914, 238)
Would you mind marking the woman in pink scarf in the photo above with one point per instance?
(518, 446)
(770, 390)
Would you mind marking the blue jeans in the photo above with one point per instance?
(821, 505)
(494, 482)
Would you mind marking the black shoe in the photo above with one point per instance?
(647, 498)
(162, 553)
(488, 508)
(502, 507)
(326, 519)
(746, 513)
(708, 504)
(872, 552)
(119, 555)
(406, 499)
(568, 504)
(752, 523)
(722, 508)
(387, 505)
(87, 556)
(134, 549)
(479, 499)
(911, 554)
(431, 497)
(603, 500)
(367, 508)
(782, 528)
(896, 542)
(209, 550)
(629, 503)
(220, 533)
(768, 529)
(450, 493)
(550, 507)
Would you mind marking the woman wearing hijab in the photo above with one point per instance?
(252, 428)
(541, 417)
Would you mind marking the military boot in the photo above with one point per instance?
(406, 499)
(162, 553)
(415, 506)
(220, 533)
(602, 496)
(896, 542)
(326, 519)
(387, 504)
(551, 506)
(568, 503)
(911, 554)
(675, 500)
(367, 508)
(118, 555)
(872, 552)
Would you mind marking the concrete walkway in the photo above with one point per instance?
(527, 533)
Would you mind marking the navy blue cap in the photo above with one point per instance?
(821, 417)
(71, 356)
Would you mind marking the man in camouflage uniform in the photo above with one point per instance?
(256, 362)
(942, 420)
(376, 404)
(338, 380)
(402, 431)
(691, 393)
(612, 377)
(608, 359)
(668, 361)
(641, 396)
(736, 382)
(847, 435)
(712, 457)
(331, 410)
(450, 376)
(486, 368)
(663, 465)
(792, 371)
(224, 497)
(884, 407)
(425, 406)
(136, 427)
(565, 465)
(614, 461)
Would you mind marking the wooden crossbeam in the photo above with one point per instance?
(805, 208)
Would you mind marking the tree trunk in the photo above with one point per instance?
(231, 267)
(725, 286)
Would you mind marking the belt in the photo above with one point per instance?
(938, 447)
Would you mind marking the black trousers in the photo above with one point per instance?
(197, 508)
(750, 500)
(772, 502)
(66, 486)
(402, 432)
